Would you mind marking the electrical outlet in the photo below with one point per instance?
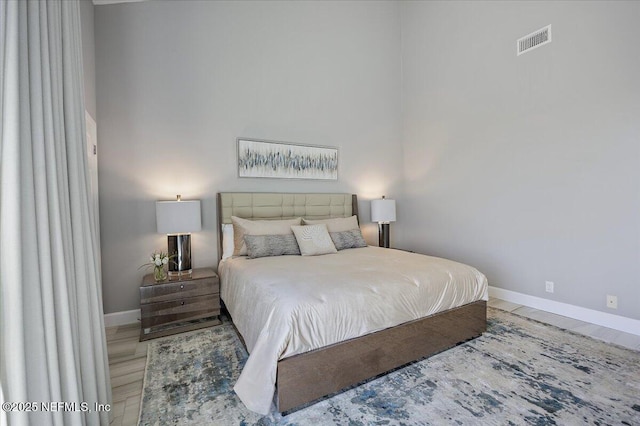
(612, 302)
(548, 286)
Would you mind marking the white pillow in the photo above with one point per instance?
(242, 227)
(314, 239)
(336, 224)
(227, 240)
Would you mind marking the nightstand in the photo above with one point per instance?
(183, 304)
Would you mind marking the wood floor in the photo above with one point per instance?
(127, 359)
(127, 356)
(605, 334)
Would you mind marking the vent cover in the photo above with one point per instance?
(533, 40)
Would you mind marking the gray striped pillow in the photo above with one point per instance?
(271, 245)
(348, 239)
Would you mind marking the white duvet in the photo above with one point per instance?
(288, 305)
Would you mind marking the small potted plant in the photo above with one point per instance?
(158, 260)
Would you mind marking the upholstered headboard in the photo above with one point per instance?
(280, 205)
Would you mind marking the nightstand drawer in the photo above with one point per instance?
(182, 289)
(186, 309)
(189, 303)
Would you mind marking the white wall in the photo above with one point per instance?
(526, 167)
(178, 82)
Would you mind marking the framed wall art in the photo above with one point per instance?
(269, 159)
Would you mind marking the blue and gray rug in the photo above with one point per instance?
(520, 372)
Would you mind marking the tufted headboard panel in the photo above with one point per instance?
(281, 205)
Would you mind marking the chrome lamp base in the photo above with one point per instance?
(383, 235)
(180, 253)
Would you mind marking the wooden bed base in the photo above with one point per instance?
(306, 377)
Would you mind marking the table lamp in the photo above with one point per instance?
(383, 211)
(178, 219)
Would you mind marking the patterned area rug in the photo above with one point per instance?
(520, 372)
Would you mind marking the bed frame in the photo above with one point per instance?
(306, 377)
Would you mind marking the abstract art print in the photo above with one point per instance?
(266, 159)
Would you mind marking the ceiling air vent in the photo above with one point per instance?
(533, 40)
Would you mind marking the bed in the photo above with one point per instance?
(314, 325)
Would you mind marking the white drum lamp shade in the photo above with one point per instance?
(178, 219)
(383, 211)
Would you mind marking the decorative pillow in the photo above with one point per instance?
(336, 224)
(242, 227)
(348, 239)
(227, 240)
(271, 245)
(314, 239)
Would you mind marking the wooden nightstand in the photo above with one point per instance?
(175, 306)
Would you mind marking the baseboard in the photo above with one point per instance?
(616, 322)
(122, 318)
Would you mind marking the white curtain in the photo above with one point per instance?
(52, 340)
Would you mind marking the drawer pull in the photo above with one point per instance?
(182, 303)
(181, 286)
